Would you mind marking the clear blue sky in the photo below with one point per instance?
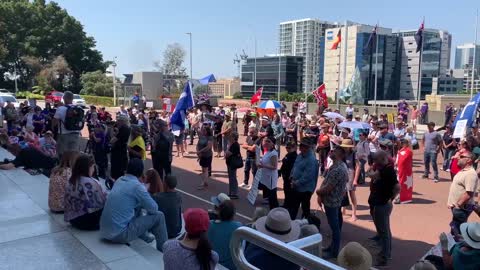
(138, 31)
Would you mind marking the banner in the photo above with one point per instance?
(460, 129)
(469, 112)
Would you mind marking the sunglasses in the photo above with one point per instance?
(464, 156)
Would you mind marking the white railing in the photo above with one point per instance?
(303, 252)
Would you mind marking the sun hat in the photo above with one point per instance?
(347, 143)
(196, 221)
(278, 225)
(423, 265)
(220, 198)
(354, 257)
(471, 234)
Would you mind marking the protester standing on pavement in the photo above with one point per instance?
(353, 166)
(448, 113)
(424, 113)
(286, 171)
(461, 198)
(118, 154)
(323, 147)
(205, 153)
(432, 141)
(162, 149)
(268, 164)
(304, 179)
(232, 153)
(330, 196)
(227, 129)
(383, 189)
(250, 162)
(67, 139)
(405, 174)
(362, 150)
(413, 118)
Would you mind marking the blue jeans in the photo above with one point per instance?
(459, 216)
(381, 219)
(430, 157)
(249, 164)
(225, 144)
(335, 221)
(447, 158)
(154, 223)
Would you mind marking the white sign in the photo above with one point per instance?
(252, 194)
(460, 129)
(167, 101)
(149, 104)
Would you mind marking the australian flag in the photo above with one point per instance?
(419, 37)
(183, 104)
(372, 40)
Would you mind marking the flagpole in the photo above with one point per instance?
(420, 66)
(338, 89)
(376, 69)
(344, 80)
(255, 66)
(279, 66)
(474, 55)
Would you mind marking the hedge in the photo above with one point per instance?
(96, 100)
(28, 95)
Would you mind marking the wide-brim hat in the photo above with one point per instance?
(471, 234)
(347, 143)
(355, 257)
(219, 199)
(278, 225)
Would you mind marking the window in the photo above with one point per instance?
(409, 83)
(409, 59)
(410, 43)
(409, 67)
(410, 51)
(408, 76)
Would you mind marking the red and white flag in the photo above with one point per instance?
(320, 95)
(257, 96)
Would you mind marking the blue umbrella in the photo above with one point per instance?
(270, 104)
(354, 125)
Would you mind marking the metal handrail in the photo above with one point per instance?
(290, 252)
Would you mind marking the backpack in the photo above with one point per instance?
(74, 118)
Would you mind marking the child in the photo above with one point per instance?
(170, 203)
(48, 145)
(58, 180)
(100, 140)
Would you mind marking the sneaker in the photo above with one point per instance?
(447, 170)
(435, 179)
(243, 185)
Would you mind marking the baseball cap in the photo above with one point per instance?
(196, 221)
(220, 198)
(265, 118)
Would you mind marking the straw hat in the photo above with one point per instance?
(471, 234)
(347, 143)
(354, 257)
(278, 225)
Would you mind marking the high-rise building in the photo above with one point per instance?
(464, 56)
(362, 56)
(291, 74)
(303, 38)
(224, 88)
(435, 60)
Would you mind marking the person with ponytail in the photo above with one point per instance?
(194, 252)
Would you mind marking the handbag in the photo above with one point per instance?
(236, 162)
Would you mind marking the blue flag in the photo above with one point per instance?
(184, 103)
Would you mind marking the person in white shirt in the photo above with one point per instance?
(363, 151)
(373, 141)
(365, 115)
(67, 139)
(349, 109)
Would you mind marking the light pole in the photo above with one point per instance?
(191, 68)
(114, 65)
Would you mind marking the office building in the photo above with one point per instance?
(303, 38)
(291, 74)
(449, 83)
(362, 56)
(435, 61)
(224, 88)
(464, 56)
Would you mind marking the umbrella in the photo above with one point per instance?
(334, 115)
(270, 104)
(354, 125)
(213, 117)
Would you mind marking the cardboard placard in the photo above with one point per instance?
(149, 104)
(460, 129)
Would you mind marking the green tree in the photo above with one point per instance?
(237, 95)
(45, 32)
(97, 83)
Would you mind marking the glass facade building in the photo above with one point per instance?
(291, 75)
(464, 56)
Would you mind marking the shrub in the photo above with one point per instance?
(96, 100)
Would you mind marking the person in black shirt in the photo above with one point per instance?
(162, 149)
(266, 129)
(30, 158)
(217, 130)
(232, 152)
(119, 157)
(383, 189)
(287, 165)
(250, 162)
(449, 145)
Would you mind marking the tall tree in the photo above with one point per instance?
(173, 58)
(97, 83)
(44, 31)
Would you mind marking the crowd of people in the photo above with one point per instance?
(139, 203)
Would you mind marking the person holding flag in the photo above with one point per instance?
(257, 96)
(185, 102)
(405, 174)
(321, 97)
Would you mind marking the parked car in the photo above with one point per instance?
(54, 97)
(7, 97)
(7, 92)
(78, 100)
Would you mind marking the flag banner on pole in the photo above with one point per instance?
(337, 40)
(371, 40)
(419, 37)
(321, 96)
(405, 174)
(185, 102)
(257, 96)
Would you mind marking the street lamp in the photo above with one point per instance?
(114, 65)
(191, 72)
